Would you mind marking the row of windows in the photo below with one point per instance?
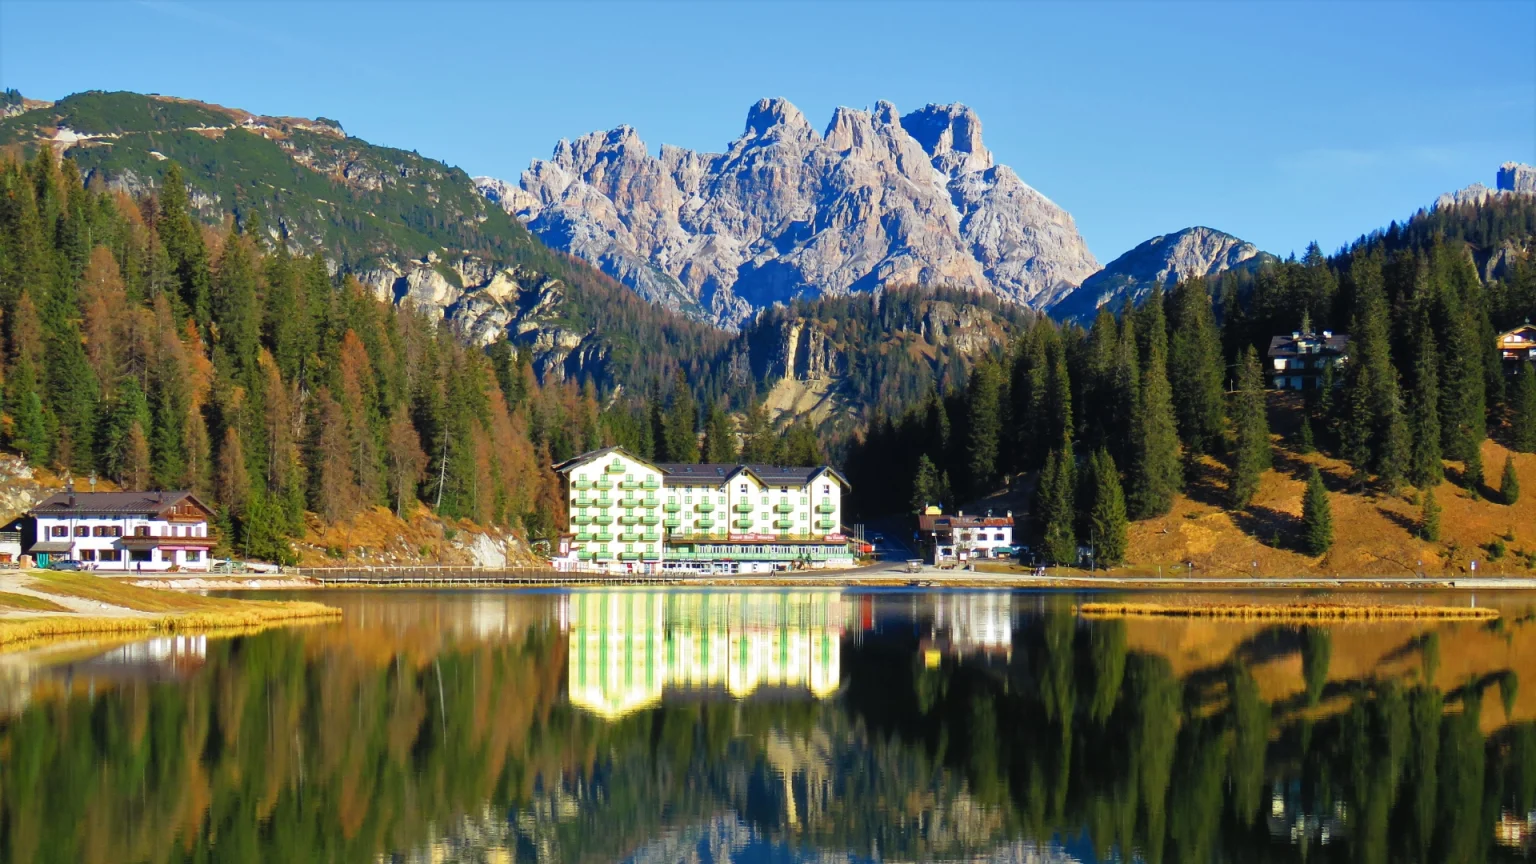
(114, 555)
(117, 531)
(981, 536)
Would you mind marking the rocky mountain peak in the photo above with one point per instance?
(777, 117)
(785, 212)
(1165, 260)
(951, 136)
(1517, 177)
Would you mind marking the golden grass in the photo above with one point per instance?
(247, 615)
(118, 593)
(1288, 611)
(28, 603)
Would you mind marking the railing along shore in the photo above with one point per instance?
(464, 574)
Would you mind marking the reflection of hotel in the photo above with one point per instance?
(972, 623)
(627, 647)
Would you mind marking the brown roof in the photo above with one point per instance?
(113, 503)
(944, 521)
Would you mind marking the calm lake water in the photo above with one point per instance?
(691, 726)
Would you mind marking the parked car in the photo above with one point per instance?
(65, 564)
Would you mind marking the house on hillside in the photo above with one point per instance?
(1518, 345)
(1298, 361)
(121, 531)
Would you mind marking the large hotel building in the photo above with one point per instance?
(632, 515)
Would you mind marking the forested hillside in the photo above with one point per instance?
(1116, 418)
(407, 226)
(145, 347)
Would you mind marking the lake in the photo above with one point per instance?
(775, 726)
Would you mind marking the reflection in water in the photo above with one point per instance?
(656, 726)
(626, 647)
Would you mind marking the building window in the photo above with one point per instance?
(193, 555)
(111, 555)
(87, 554)
(82, 531)
(141, 531)
(743, 488)
(59, 531)
(138, 555)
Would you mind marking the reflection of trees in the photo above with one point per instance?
(1156, 767)
(284, 747)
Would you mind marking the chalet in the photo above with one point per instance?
(1299, 360)
(1518, 345)
(632, 515)
(121, 531)
(958, 537)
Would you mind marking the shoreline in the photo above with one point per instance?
(40, 605)
(888, 576)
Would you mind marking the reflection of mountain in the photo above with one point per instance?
(627, 647)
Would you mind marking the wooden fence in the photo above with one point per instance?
(471, 575)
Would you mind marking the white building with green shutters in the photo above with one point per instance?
(627, 514)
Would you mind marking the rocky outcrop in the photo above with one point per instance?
(1513, 178)
(1164, 260)
(1516, 177)
(785, 211)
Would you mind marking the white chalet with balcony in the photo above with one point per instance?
(121, 531)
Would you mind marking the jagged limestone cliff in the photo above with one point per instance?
(786, 211)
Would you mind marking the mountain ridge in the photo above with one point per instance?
(786, 211)
(1165, 260)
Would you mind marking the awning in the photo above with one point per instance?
(52, 547)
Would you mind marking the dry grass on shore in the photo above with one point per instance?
(1288, 611)
(255, 615)
(115, 592)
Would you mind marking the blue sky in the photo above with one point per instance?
(1279, 123)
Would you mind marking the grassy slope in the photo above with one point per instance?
(1374, 534)
(123, 608)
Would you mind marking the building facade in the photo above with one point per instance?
(1300, 360)
(1517, 346)
(630, 514)
(958, 537)
(121, 531)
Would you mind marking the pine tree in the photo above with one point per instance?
(184, 247)
(1106, 510)
(1523, 410)
(1429, 517)
(1155, 474)
(1316, 517)
(1472, 472)
(1252, 454)
(759, 443)
(406, 464)
(1509, 484)
(802, 447)
(1196, 372)
(1425, 469)
(983, 398)
(1376, 438)
(1055, 505)
(719, 437)
(680, 437)
(925, 485)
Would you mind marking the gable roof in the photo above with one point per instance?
(63, 504)
(716, 472)
(1285, 346)
(593, 455)
(1524, 333)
